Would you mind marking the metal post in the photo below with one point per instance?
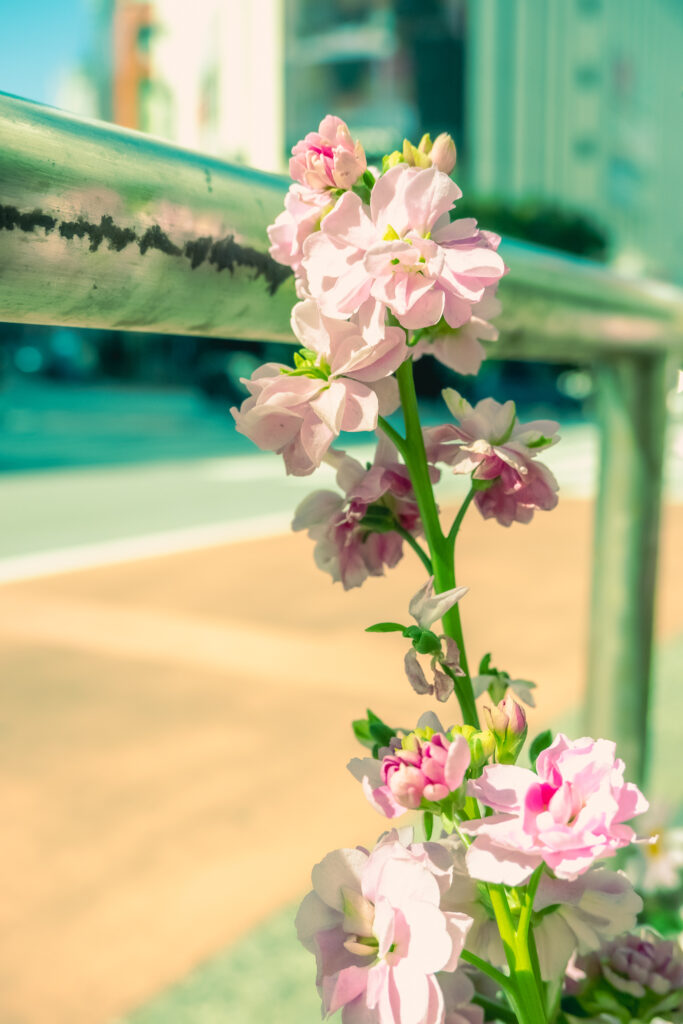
(632, 413)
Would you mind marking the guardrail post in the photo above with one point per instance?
(631, 393)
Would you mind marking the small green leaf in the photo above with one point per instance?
(428, 824)
(427, 643)
(363, 192)
(385, 627)
(485, 665)
(361, 730)
(369, 179)
(482, 485)
(571, 1005)
(543, 740)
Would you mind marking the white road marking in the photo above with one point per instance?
(131, 549)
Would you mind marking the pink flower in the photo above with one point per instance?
(355, 534)
(341, 382)
(566, 816)
(402, 252)
(422, 765)
(578, 916)
(304, 209)
(460, 348)
(375, 925)
(458, 992)
(328, 158)
(590, 910)
(494, 446)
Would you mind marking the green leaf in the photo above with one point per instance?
(485, 665)
(363, 192)
(361, 730)
(385, 627)
(482, 485)
(428, 824)
(383, 734)
(543, 740)
(379, 731)
(427, 643)
(571, 1005)
(369, 178)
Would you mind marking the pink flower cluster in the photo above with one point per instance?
(568, 814)
(375, 923)
(356, 535)
(342, 382)
(494, 446)
(402, 253)
(423, 765)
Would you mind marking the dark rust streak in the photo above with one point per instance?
(223, 254)
(226, 253)
(197, 250)
(117, 238)
(155, 238)
(10, 218)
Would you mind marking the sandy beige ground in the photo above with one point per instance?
(174, 733)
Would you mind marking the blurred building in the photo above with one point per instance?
(246, 80)
(579, 102)
(574, 104)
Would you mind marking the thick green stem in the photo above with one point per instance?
(412, 449)
(525, 994)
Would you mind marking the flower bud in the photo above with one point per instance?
(443, 153)
(507, 722)
(391, 160)
(481, 743)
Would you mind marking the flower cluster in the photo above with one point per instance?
(635, 978)
(418, 769)
(509, 878)
(339, 382)
(375, 923)
(500, 454)
(568, 813)
(357, 535)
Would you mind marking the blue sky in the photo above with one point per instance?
(39, 41)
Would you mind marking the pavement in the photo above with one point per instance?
(177, 689)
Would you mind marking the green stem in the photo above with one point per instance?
(528, 904)
(495, 1011)
(486, 968)
(393, 435)
(409, 539)
(412, 449)
(525, 994)
(457, 522)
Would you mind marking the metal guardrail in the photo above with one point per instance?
(103, 227)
